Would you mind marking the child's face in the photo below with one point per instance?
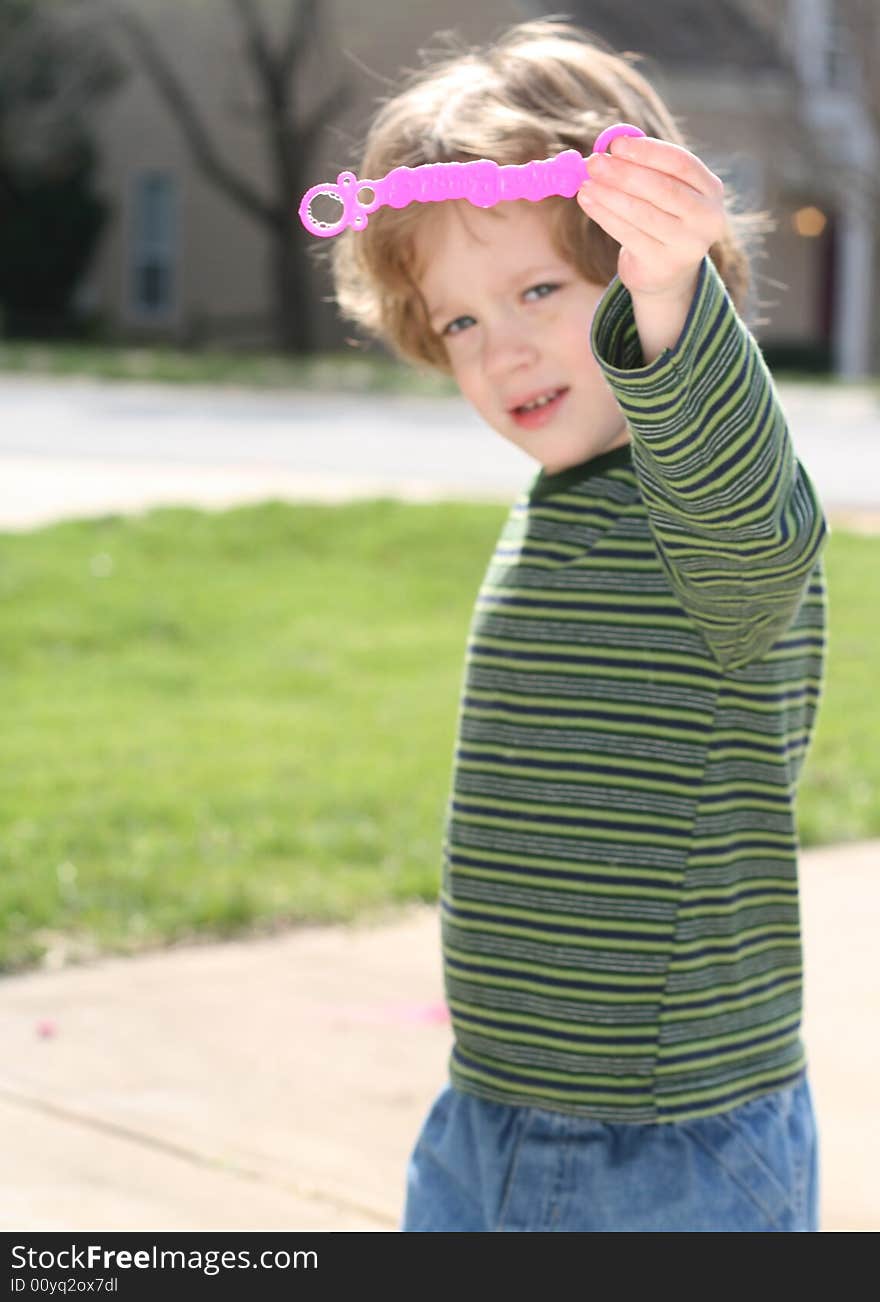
(515, 318)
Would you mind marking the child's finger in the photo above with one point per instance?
(672, 159)
(639, 242)
(662, 225)
(659, 188)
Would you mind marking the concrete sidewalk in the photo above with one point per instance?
(278, 1083)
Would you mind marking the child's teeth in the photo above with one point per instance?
(540, 402)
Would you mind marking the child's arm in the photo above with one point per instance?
(736, 519)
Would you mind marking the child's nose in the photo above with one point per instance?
(507, 344)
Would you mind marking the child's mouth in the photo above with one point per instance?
(534, 417)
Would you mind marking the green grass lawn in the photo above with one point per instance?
(354, 371)
(222, 721)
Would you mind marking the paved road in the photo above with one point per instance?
(83, 447)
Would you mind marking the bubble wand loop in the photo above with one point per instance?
(482, 182)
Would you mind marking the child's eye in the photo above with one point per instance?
(549, 288)
(451, 330)
(456, 328)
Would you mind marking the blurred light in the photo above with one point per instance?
(809, 221)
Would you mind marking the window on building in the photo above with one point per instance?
(154, 244)
(837, 50)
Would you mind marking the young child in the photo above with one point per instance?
(619, 905)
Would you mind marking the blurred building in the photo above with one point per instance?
(774, 95)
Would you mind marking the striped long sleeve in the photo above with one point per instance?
(619, 904)
(736, 519)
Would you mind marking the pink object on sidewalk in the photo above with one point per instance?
(387, 1012)
(482, 182)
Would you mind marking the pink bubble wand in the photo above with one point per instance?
(482, 182)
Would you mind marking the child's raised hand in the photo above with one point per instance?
(663, 206)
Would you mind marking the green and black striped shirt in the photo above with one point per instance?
(619, 906)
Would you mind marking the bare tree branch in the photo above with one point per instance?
(340, 97)
(300, 34)
(172, 90)
(270, 77)
(289, 134)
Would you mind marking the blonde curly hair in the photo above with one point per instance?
(543, 87)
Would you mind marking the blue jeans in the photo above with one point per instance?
(479, 1166)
